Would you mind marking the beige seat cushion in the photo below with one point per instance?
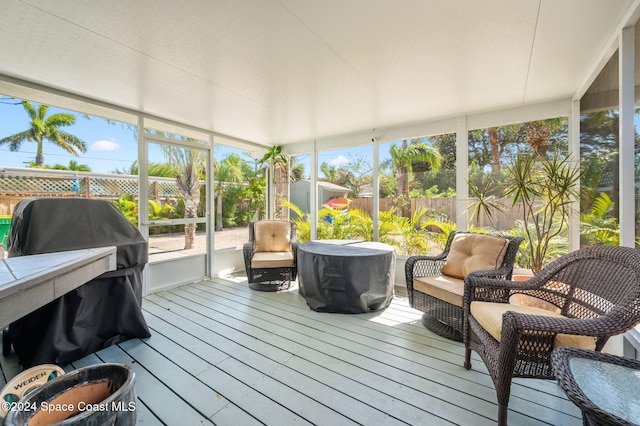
(474, 252)
(272, 236)
(442, 287)
(282, 259)
(489, 316)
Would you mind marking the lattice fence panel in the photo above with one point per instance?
(32, 184)
(82, 186)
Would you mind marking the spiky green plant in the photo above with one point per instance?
(598, 227)
(353, 224)
(543, 188)
(407, 234)
(128, 207)
(301, 220)
(437, 230)
(159, 212)
(556, 246)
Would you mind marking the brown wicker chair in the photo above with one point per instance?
(442, 303)
(270, 256)
(584, 298)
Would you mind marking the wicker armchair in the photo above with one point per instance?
(439, 296)
(270, 256)
(579, 300)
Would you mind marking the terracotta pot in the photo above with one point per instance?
(101, 394)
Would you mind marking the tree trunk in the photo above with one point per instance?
(39, 153)
(495, 150)
(281, 177)
(219, 211)
(189, 235)
(402, 178)
(402, 182)
(399, 180)
(190, 211)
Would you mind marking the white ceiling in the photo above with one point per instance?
(282, 71)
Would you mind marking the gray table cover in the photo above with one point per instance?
(346, 276)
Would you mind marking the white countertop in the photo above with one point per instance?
(29, 282)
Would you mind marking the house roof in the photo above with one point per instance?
(283, 71)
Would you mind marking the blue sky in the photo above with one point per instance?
(114, 146)
(109, 146)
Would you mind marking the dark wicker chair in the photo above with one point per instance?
(444, 317)
(592, 414)
(596, 294)
(272, 274)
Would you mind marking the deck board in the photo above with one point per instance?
(221, 353)
(374, 371)
(440, 354)
(340, 377)
(255, 354)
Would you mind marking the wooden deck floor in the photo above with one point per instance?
(224, 354)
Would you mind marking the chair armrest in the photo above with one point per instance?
(482, 286)
(422, 266)
(486, 289)
(518, 327)
(609, 324)
(503, 273)
(247, 251)
(528, 322)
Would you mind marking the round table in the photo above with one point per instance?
(604, 386)
(346, 276)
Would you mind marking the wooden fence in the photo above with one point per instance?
(445, 208)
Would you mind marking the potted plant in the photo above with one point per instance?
(542, 188)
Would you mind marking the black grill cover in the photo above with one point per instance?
(104, 311)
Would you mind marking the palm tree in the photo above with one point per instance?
(403, 159)
(296, 170)
(544, 135)
(46, 128)
(153, 169)
(338, 175)
(495, 150)
(228, 170)
(73, 165)
(278, 162)
(189, 164)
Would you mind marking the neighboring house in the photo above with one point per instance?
(366, 191)
(300, 193)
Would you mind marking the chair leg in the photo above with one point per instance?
(467, 358)
(502, 415)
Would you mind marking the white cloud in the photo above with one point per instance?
(104, 146)
(341, 160)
